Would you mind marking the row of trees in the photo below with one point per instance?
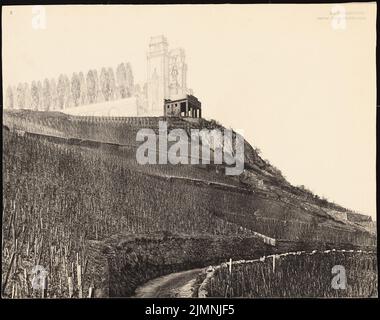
(79, 90)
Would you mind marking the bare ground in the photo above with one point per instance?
(178, 285)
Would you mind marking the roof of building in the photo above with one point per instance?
(187, 97)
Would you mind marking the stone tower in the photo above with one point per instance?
(167, 72)
(177, 74)
(157, 78)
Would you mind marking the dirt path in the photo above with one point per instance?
(177, 285)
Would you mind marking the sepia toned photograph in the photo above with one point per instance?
(189, 151)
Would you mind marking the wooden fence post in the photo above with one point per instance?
(79, 277)
(91, 292)
(44, 288)
(70, 284)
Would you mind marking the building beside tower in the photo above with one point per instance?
(189, 106)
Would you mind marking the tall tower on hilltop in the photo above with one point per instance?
(167, 74)
(157, 78)
(177, 74)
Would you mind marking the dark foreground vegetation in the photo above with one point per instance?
(299, 275)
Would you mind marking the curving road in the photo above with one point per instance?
(178, 285)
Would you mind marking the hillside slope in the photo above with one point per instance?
(69, 181)
(259, 175)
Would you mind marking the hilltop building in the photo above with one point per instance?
(189, 106)
(164, 93)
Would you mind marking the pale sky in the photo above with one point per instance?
(302, 91)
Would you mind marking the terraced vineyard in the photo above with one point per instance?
(59, 195)
(298, 275)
